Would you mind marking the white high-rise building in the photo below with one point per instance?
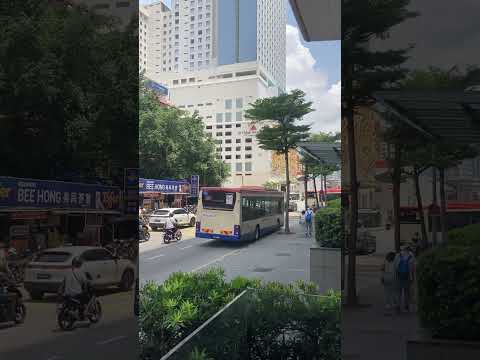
(194, 35)
(217, 57)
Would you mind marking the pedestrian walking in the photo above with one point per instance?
(404, 275)
(389, 282)
(308, 222)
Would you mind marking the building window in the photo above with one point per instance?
(218, 142)
(248, 140)
(238, 167)
(219, 134)
(219, 126)
(248, 156)
(228, 157)
(228, 117)
(191, 80)
(238, 116)
(209, 127)
(248, 166)
(238, 141)
(175, 82)
(219, 117)
(228, 104)
(228, 141)
(248, 148)
(238, 156)
(219, 149)
(228, 149)
(229, 126)
(239, 103)
(238, 125)
(184, 81)
(228, 133)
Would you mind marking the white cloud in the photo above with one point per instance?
(301, 74)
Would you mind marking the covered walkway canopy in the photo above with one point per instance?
(318, 20)
(327, 153)
(450, 116)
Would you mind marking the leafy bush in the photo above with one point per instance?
(449, 292)
(171, 311)
(465, 236)
(329, 230)
(274, 321)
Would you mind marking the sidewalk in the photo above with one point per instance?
(367, 332)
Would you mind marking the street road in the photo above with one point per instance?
(39, 338)
(278, 257)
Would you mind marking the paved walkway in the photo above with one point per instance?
(367, 332)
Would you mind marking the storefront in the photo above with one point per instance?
(37, 214)
(157, 194)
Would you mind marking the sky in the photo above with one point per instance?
(313, 67)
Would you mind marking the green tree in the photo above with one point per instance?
(67, 86)
(281, 133)
(173, 144)
(271, 185)
(364, 71)
(327, 137)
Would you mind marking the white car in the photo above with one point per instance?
(46, 272)
(181, 216)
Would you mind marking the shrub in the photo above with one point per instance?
(329, 230)
(449, 292)
(274, 319)
(465, 236)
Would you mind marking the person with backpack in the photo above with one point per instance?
(308, 222)
(389, 282)
(404, 276)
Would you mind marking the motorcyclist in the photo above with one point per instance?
(170, 226)
(75, 286)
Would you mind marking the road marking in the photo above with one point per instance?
(155, 257)
(185, 247)
(108, 341)
(55, 357)
(300, 270)
(234, 252)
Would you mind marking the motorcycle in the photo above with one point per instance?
(144, 233)
(17, 263)
(172, 235)
(12, 308)
(69, 310)
(122, 248)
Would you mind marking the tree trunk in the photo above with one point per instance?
(316, 192)
(443, 206)
(352, 162)
(325, 189)
(305, 183)
(416, 178)
(397, 178)
(287, 201)
(434, 202)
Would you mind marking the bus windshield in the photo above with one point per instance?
(218, 200)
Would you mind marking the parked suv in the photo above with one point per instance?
(182, 217)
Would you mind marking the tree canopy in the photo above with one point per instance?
(69, 80)
(173, 144)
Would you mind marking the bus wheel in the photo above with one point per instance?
(257, 233)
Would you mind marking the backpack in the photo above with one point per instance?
(404, 266)
(308, 216)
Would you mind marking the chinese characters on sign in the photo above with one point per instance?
(164, 186)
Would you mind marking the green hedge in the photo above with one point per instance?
(170, 312)
(449, 292)
(466, 236)
(329, 229)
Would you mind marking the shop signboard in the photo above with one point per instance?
(194, 185)
(163, 186)
(31, 193)
(131, 190)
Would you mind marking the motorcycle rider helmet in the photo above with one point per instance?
(76, 263)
